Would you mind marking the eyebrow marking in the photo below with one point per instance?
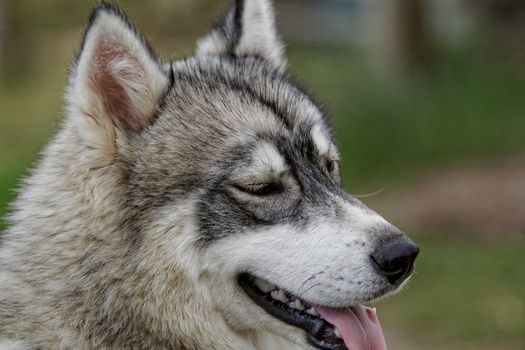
(320, 139)
(266, 157)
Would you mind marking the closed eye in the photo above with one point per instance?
(260, 189)
(332, 168)
(331, 165)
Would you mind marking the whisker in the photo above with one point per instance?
(315, 285)
(307, 280)
(366, 195)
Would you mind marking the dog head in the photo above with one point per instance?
(229, 176)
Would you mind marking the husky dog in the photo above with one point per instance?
(193, 205)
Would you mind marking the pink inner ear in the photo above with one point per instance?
(108, 86)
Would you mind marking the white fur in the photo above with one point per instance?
(321, 141)
(267, 158)
(362, 218)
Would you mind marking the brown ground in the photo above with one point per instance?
(485, 199)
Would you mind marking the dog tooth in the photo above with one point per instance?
(263, 285)
(298, 305)
(312, 311)
(337, 333)
(279, 295)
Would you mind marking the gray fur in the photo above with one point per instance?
(124, 236)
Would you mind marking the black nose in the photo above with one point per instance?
(395, 258)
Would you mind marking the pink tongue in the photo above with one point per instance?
(359, 327)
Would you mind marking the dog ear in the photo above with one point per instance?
(248, 29)
(117, 81)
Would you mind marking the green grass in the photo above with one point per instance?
(464, 292)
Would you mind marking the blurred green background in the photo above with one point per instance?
(427, 99)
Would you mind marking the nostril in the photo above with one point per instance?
(395, 258)
(392, 266)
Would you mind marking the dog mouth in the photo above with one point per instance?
(327, 328)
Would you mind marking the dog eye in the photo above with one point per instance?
(260, 189)
(331, 166)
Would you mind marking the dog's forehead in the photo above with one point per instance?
(223, 100)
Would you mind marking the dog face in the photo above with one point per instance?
(226, 143)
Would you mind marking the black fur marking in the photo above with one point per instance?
(231, 26)
(272, 105)
(237, 25)
(245, 88)
(221, 214)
